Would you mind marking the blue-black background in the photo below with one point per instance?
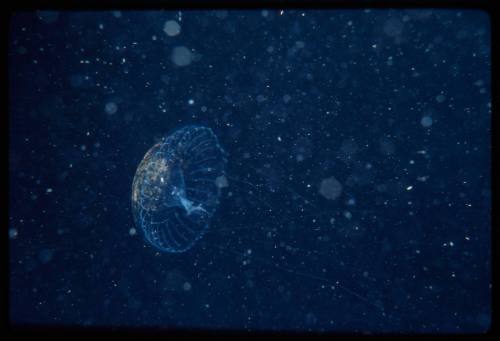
(391, 106)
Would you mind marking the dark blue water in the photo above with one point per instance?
(357, 195)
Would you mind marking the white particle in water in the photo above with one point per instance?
(221, 181)
(13, 233)
(426, 121)
(171, 28)
(111, 108)
(181, 56)
(330, 188)
(440, 98)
